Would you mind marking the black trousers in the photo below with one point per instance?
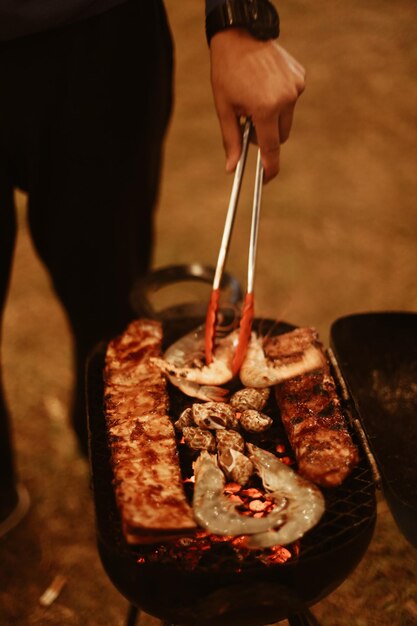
(83, 112)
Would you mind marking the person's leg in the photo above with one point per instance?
(17, 112)
(8, 493)
(94, 186)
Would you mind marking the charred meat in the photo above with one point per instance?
(147, 477)
(312, 417)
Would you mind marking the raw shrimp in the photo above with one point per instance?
(297, 355)
(215, 512)
(304, 501)
(183, 363)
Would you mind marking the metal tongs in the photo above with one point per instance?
(248, 305)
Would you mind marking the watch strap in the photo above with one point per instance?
(259, 17)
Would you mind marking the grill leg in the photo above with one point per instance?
(132, 615)
(303, 619)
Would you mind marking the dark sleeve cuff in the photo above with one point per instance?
(211, 4)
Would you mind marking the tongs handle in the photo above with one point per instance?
(231, 211)
(256, 211)
(212, 309)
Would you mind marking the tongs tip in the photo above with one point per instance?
(245, 331)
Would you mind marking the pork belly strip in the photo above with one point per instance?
(147, 478)
(296, 346)
(315, 425)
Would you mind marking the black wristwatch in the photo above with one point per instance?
(259, 17)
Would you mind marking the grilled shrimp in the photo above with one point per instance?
(183, 363)
(214, 511)
(304, 501)
(209, 393)
(259, 371)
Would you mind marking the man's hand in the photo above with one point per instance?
(257, 79)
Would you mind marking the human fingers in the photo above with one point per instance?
(231, 135)
(267, 133)
(285, 122)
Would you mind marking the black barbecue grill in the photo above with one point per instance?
(377, 357)
(222, 592)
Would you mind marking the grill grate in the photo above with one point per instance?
(222, 591)
(349, 507)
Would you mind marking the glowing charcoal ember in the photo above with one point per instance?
(236, 499)
(279, 554)
(232, 488)
(258, 506)
(213, 552)
(251, 493)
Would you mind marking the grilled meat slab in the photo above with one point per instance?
(314, 422)
(147, 477)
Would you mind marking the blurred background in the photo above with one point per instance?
(338, 235)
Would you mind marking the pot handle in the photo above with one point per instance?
(146, 288)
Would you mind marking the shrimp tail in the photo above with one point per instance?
(208, 393)
(213, 394)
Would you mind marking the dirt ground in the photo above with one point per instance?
(338, 235)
